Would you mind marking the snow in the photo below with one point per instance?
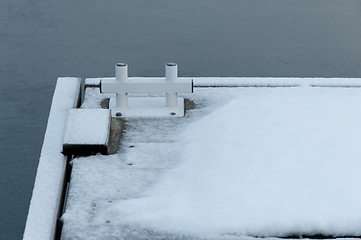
(245, 162)
(283, 164)
(275, 82)
(44, 205)
(87, 126)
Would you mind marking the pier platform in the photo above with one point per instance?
(251, 157)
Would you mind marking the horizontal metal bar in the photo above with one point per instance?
(146, 86)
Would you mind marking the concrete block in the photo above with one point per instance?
(87, 132)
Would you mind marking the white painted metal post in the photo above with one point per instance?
(121, 75)
(171, 75)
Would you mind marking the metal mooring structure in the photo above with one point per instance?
(124, 106)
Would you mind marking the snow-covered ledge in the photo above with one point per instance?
(275, 82)
(252, 81)
(45, 201)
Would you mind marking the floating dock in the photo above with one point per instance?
(248, 157)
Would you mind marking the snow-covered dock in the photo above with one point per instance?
(252, 157)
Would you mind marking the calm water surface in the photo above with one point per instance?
(41, 40)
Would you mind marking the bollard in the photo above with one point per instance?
(121, 75)
(171, 75)
(121, 85)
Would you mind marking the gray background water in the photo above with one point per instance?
(43, 39)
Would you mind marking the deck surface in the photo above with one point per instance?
(149, 148)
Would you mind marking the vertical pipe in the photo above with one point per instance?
(171, 75)
(121, 76)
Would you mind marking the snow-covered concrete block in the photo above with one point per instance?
(87, 132)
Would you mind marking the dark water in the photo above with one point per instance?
(41, 40)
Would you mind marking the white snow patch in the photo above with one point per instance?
(274, 82)
(87, 126)
(282, 162)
